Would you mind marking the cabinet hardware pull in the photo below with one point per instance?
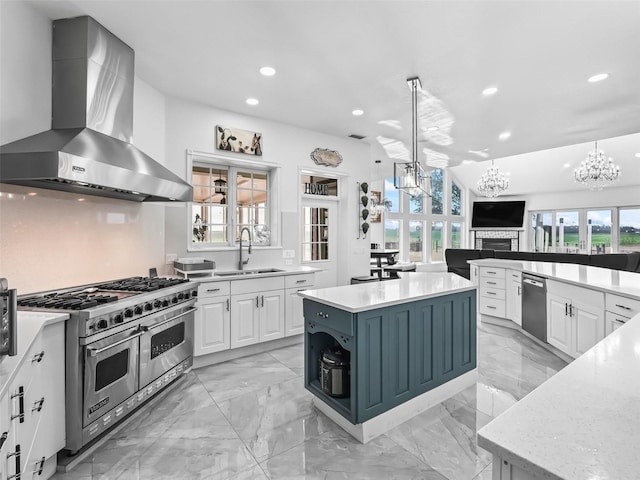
(491, 307)
(257, 301)
(491, 283)
(37, 357)
(320, 314)
(566, 309)
(228, 305)
(39, 466)
(213, 290)
(571, 310)
(262, 301)
(491, 293)
(3, 438)
(620, 321)
(519, 290)
(37, 406)
(15, 454)
(300, 281)
(622, 306)
(20, 396)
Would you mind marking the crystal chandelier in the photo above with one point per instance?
(410, 177)
(596, 171)
(493, 182)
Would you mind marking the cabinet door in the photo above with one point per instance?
(245, 322)
(271, 308)
(613, 322)
(294, 315)
(558, 323)
(514, 302)
(588, 327)
(212, 326)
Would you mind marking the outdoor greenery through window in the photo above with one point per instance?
(422, 227)
(629, 230)
(226, 199)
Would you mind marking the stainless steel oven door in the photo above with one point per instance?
(110, 373)
(167, 342)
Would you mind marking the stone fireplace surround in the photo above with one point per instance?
(496, 239)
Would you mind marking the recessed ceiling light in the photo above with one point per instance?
(566, 165)
(433, 129)
(357, 112)
(598, 78)
(32, 194)
(504, 135)
(487, 92)
(81, 199)
(467, 162)
(252, 101)
(638, 155)
(268, 71)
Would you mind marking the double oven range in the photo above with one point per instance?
(125, 341)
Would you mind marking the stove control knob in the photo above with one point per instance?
(194, 293)
(102, 324)
(181, 296)
(138, 310)
(157, 304)
(128, 313)
(148, 306)
(165, 302)
(187, 295)
(118, 318)
(174, 300)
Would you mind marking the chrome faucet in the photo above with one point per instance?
(241, 263)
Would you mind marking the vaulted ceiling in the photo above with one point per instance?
(333, 57)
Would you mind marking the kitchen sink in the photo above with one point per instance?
(257, 271)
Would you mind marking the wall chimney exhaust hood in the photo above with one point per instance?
(89, 149)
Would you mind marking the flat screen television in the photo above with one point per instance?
(506, 214)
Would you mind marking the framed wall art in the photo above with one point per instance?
(238, 140)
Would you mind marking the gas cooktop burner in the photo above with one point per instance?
(67, 301)
(141, 284)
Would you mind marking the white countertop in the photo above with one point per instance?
(596, 278)
(584, 422)
(412, 286)
(286, 270)
(29, 325)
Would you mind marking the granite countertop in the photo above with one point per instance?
(29, 325)
(412, 286)
(582, 423)
(596, 278)
(285, 270)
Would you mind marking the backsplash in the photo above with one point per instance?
(52, 239)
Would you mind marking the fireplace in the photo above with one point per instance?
(496, 239)
(496, 243)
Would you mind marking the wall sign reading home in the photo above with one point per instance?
(238, 140)
(316, 188)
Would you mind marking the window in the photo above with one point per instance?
(567, 232)
(315, 241)
(599, 231)
(629, 230)
(541, 231)
(422, 227)
(224, 197)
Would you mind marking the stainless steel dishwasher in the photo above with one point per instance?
(534, 306)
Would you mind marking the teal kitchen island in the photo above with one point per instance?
(411, 344)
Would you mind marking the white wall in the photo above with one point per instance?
(51, 240)
(192, 126)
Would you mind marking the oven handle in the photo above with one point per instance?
(146, 329)
(97, 351)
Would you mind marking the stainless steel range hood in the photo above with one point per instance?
(89, 149)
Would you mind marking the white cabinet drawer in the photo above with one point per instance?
(624, 306)
(299, 281)
(214, 289)
(496, 293)
(493, 307)
(263, 284)
(492, 272)
(490, 282)
(514, 275)
(613, 322)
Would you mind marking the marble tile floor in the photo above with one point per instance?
(251, 418)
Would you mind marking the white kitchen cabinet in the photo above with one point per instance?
(213, 318)
(514, 296)
(271, 315)
(294, 316)
(492, 293)
(33, 409)
(245, 320)
(575, 318)
(619, 311)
